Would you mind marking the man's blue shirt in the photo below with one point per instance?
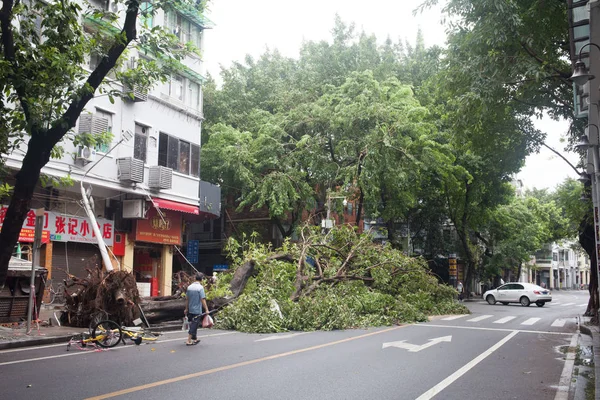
(195, 293)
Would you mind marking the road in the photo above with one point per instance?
(497, 352)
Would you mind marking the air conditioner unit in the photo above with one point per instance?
(92, 123)
(160, 177)
(130, 170)
(134, 208)
(136, 93)
(86, 154)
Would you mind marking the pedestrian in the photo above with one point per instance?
(460, 290)
(196, 299)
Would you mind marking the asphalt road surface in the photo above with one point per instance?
(497, 352)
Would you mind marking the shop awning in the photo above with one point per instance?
(176, 206)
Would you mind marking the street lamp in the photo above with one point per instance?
(581, 73)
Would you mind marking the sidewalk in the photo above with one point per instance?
(591, 339)
(15, 335)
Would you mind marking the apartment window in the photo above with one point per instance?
(146, 14)
(140, 142)
(31, 5)
(179, 155)
(183, 28)
(103, 148)
(193, 98)
(176, 87)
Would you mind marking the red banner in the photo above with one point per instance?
(157, 229)
(27, 235)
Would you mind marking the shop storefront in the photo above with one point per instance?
(154, 238)
(69, 245)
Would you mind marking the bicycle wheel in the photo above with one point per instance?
(96, 317)
(107, 333)
(49, 291)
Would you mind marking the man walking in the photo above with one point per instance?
(196, 299)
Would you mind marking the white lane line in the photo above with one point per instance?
(530, 321)
(562, 392)
(559, 322)
(454, 317)
(568, 304)
(582, 305)
(114, 348)
(480, 318)
(478, 328)
(449, 380)
(504, 320)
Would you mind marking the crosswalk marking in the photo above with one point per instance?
(530, 321)
(559, 322)
(567, 304)
(481, 318)
(453, 317)
(504, 320)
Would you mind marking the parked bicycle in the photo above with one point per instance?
(54, 292)
(108, 334)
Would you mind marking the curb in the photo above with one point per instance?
(40, 341)
(35, 342)
(594, 333)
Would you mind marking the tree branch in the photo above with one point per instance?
(8, 46)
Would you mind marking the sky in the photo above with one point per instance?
(250, 27)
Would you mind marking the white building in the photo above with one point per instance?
(158, 168)
(565, 266)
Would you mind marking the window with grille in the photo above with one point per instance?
(179, 155)
(140, 142)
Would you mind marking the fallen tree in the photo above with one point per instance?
(334, 281)
(100, 295)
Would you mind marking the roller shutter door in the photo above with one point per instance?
(80, 256)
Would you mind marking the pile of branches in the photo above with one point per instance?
(337, 280)
(101, 295)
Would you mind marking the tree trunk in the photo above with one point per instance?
(26, 180)
(469, 262)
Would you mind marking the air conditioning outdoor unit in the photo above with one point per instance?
(136, 93)
(160, 177)
(86, 154)
(130, 170)
(134, 208)
(92, 123)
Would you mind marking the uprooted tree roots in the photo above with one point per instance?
(101, 295)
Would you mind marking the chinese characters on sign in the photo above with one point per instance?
(193, 247)
(64, 228)
(165, 230)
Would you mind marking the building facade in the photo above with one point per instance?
(147, 191)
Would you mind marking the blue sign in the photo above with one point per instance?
(193, 247)
(220, 267)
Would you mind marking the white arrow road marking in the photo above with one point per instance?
(559, 322)
(481, 318)
(530, 321)
(413, 348)
(278, 337)
(504, 320)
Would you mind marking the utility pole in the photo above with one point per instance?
(35, 259)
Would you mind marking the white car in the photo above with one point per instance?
(518, 292)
